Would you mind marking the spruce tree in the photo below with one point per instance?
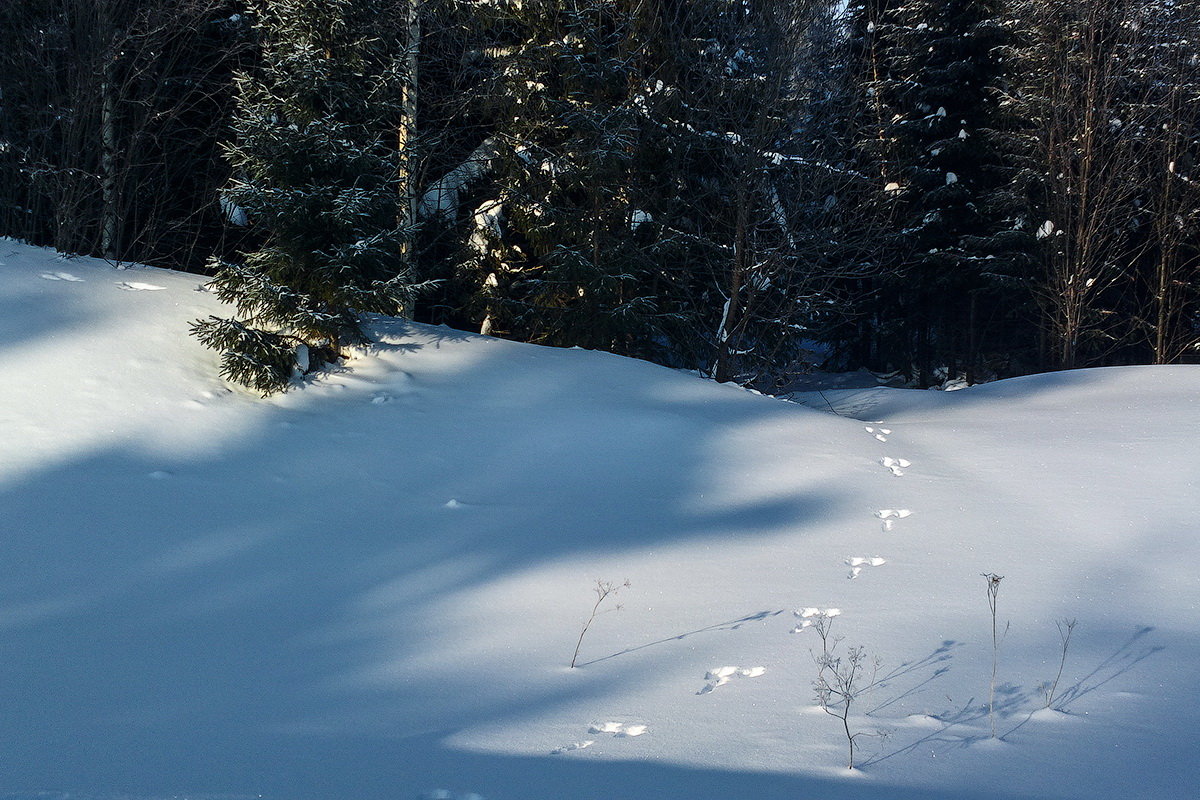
(935, 148)
(640, 173)
(315, 173)
(562, 249)
(742, 80)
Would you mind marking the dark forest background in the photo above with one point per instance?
(751, 188)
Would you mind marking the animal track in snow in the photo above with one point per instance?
(572, 747)
(61, 276)
(723, 675)
(890, 515)
(135, 286)
(856, 564)
(618, 729)
(811, 616)
(880, 433)
(895, 465)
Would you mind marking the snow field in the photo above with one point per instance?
(371, 586)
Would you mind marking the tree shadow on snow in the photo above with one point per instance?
(255, 621)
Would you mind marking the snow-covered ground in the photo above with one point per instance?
(370, 588)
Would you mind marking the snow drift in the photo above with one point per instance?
(371, 586)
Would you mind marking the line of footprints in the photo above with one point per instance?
(888, 517)
(807, 617)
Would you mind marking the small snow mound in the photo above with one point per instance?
(1052, 715)
(923, 721)
(988, 743)
(954, 384)
(723, 675)
(619, 729)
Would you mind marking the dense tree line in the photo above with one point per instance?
(745, 187)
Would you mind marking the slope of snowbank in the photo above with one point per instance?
(371, 587)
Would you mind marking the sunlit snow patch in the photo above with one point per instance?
(723, 675)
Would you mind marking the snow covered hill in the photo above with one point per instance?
(372, 586)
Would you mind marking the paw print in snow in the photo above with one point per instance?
(879, 433)
(618, 729)
(811, 616)
(723, 675)
(856, 564)
(889, 516)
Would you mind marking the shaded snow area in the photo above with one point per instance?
(370, 588)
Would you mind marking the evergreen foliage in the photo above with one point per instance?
(315, 176)
(744, 75)
(640, 179)
(741, 187)
(562, 249)
(954, 248)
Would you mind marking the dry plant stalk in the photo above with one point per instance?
(603, 590)
(1065, 628)
(993, 589)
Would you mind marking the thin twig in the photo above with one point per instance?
(602, 589)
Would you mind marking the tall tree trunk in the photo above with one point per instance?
(109, 223)
(406, 135)
(727, 336)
